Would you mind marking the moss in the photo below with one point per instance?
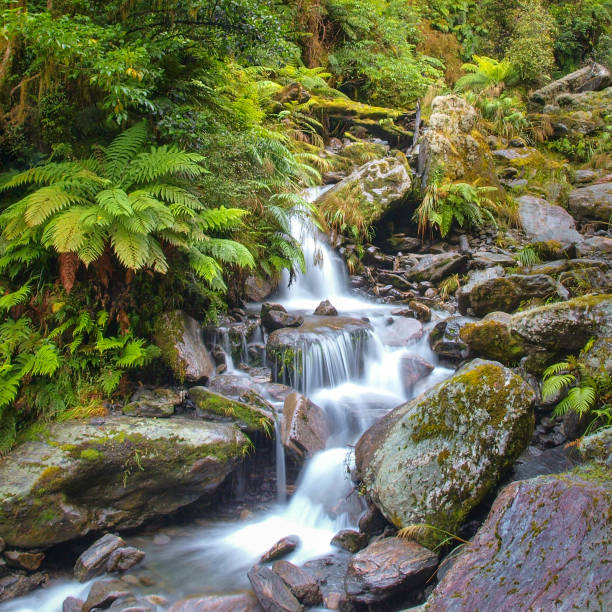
(492, 338)
(90, 454)
(170, 328)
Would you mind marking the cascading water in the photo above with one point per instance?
(355, 381)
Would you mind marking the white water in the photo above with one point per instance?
(215, 558)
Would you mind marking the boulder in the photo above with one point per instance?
(273, 594)
(386, 568)
(592, 203)
(401, 332)
(326, 309)
(329, 572)
(304, 429)
(276, 319)
(434, 268)
(507, 293)
(595, 245)
(372, 522)
(565, 326)
(24, 560)
(124, 558)
(301, 583)
(72, 604)
(103, 593)
(542, 221)
(180, 339)
(485, 259)
(372, 188)
(453, 142)
(544, 546)
(597, 447)
(111, 473)
(350, 540)
(18, 585)
(257, 288)
(218, 408)
(445, 340)
(159, 402)
(92, 562)
(590, 78)
(492, 338)
(240, 602)
(432, 460)
(413, 369)
(282, 548)
(421, 311)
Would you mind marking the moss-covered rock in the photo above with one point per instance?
(492, 338)
(111, 473)
(180, 338)
(433, 459)
(215, 407)
(371, 189)
(453, 142)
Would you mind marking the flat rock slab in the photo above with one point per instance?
(92, 562)
(110, 473)
(386, 568)
(300, 582)
(542, 221)
(240, 602)
(544, 546)
(271, 591)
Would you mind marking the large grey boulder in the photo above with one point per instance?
(435, 268)
(542, 221)
(592, 203)
(373, 187)
(432, 460)
(544, 546)
(111, 473)
(180, 338)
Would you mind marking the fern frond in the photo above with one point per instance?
(165, 161)
(15, 298)
(123, 149)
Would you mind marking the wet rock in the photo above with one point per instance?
(218, 408)
(445, 341)
(372, 522)
(545, 541)
(350, 540)
(597, 447)
(386, 568)
(241, 602)
(180, 339)
(160, 402)
(565, 326)
(507, 293)
(375, 186)
(257, 288)
(590, 78)
(592, 203)
(421, 311)
(300, 582)
(392, 279)
(435, 268)
(282, 548)
(123, 559)
(542, 221)
(413, 369)
(402, 243)
(330, 571)
(92, 562)
(20, 559)
(271, 591)
(103, 593)
(273, 318)
(452, 141)
(304, 429)
(401, 332)
(109, 473)
(133, 604)
(18, 585)
(326, 308)
(72, 604)
(231, 385)
(432, 460)
(535, 462)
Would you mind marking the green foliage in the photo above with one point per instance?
(528, 257)
(486, 73)
(584, 391)
(446, 203)
(532, 43)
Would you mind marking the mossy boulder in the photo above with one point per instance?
(216, 407)
(371, 188)
(111, 473)
(159, 402)
(597, 447)
(565, 326)
(435, 458)
(180, 338)
(453, 142)
(544, 546)
(492, 338)
(593, 77)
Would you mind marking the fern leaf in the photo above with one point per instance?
(131, 249)
(15, 298)
(46, 201)
(123, 149)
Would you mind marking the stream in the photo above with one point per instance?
(215, 557)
